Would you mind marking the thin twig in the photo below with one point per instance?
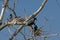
(49, 35)
(12, 11)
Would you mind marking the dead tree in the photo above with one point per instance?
(22, 22)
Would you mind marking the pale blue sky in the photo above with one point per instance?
(51, 11)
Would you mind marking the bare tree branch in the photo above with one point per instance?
(50, 35)
(15, 21)
(3, 26)
(3, 9)
(16, 32)
(12, 11)
(37, 12)
(23, 35)
(32, 16)
(30, 38)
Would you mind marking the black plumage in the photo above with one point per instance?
(35, 27)
(11, 16)
(0, 23)
(32, 21)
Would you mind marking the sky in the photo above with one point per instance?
(51, 11)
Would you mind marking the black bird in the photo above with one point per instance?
(0, 23)
(35, 27)
(32, 21)
(11, 16)
(36, 31)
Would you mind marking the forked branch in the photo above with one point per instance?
(12, 11)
